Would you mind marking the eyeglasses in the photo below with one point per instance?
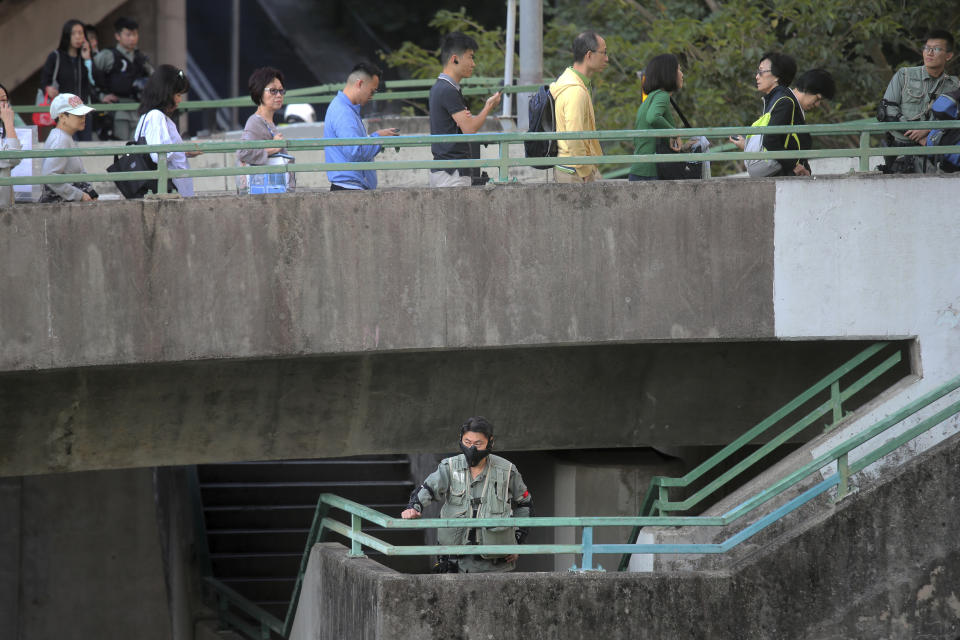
(817, 100)
(761, 71)
(276, 92)
(605, 52)
(933, 50)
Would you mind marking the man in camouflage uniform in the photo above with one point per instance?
(911, 92)
(475, 484)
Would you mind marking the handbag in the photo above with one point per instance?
(684, 170)
(42, 118)
(134, 162)
(764, 168)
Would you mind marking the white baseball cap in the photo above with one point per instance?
(68, 103)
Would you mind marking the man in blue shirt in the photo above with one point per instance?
(343, 121)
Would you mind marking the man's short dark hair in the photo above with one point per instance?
(661, 73)
(478, 424)
(782, 66)
(125, 23)
(456, 44)
(367, 69)
(940, 34)
(259, 80)
(586, 41)
(817, 81)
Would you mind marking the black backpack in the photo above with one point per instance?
(542, 118)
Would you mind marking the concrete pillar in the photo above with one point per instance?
(10, 557)
(531, 54)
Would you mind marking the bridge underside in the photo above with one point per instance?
(606, 396)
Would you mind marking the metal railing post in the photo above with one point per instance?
(504, 166)
(864, 151)
(836, 404)
(355, 527)
(162, 177)
(664, 498)
(587, 562)
(843, 470)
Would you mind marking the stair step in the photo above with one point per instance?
(307, 470)
(281, 516)
(233, 541)
(262, 589)
(298, 493)
(255, 565)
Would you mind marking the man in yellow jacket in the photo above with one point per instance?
(574, 107)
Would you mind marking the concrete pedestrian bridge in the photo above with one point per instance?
(183, 331)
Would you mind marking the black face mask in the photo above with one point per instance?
(473, 455)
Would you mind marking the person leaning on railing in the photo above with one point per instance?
(909, 95)
(158, 104)
(8, 142)
(70, 114)
(475, 484)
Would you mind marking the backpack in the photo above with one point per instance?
(945, 106)
(542, 119)
(948, 162)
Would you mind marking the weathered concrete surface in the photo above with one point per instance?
(147, 282)
(88, 563)
(885, 564)
(627, 395)
(879, 261)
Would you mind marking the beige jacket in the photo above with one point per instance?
(574, 111)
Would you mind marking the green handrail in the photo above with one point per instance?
(587, 548)
(657, 498)
(503, 163)
(321, 94)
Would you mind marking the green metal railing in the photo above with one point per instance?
(266, 624)
(322, 94)
(657, 500)
(503, 163)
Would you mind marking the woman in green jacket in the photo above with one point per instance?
(661, 78)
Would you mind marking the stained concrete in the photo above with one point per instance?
(885, 564)
(629, 395)
(89, 562)
(136, 282)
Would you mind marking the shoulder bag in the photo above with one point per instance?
(677, 170)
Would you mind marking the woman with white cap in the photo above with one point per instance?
(70, 114)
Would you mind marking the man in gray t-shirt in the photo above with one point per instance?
(449, 114)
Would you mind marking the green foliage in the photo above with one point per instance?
(423, 63)
(720, 44)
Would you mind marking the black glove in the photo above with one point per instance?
(521, 535)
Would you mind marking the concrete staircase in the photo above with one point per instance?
(258, 515)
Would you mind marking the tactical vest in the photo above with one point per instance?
(121, 76)
(494, 502)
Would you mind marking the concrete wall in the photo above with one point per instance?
(210, 312)
(149, 282)
(81, 558)
(885, 563)
(880, 262)
(629, 395)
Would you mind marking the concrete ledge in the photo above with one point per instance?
(885, 564)
(128, 282)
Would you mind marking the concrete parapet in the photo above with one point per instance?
(885, 564)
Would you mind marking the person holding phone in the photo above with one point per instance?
(449, 114)
(68, 69)
(343, 121)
